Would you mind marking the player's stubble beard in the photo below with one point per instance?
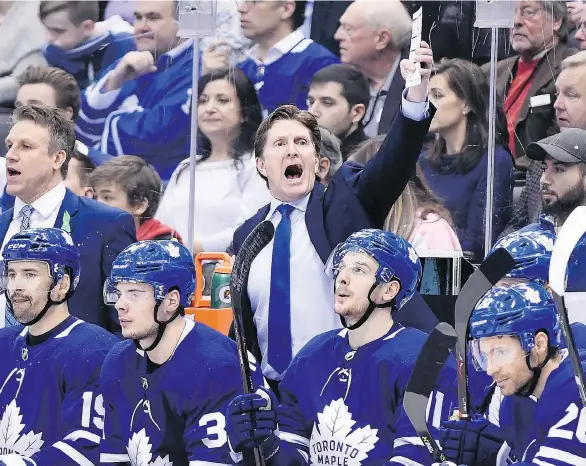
(352, 313)
(142, 334)
(27, 311)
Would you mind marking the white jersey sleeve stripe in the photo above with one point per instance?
(13, 460)
(72, 453)
(114, 458)
(294, 438)
(542, 463)
(559, 455)
(77, 434)
(402, 441)
(405, 461)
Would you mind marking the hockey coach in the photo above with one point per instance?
(296, 303)
(40, 143)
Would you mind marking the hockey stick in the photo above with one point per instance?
(430, 361)
(493, 269)
(253, 244)
(569, 235)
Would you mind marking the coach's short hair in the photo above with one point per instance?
(60, 128)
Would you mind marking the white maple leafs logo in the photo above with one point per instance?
(334, 428)
(139, 451)
(10, 433)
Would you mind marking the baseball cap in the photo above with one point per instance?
(569, 146)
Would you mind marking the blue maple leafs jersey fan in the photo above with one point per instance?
(50, 405)
(173, 415)
(346, 406)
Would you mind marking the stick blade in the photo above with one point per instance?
(255, 242)
(432, 358)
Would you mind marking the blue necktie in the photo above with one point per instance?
(25, 223)
(279, 336)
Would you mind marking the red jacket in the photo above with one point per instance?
(153, 229)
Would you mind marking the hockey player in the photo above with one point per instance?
(515, 337)
(342, 395)
(50, 402)
(166, 389)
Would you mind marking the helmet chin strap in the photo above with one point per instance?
(529, 387)
(369, 310)
(50, 302)
(162, 326)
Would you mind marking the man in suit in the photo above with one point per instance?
(374, 36)
(40, 144)
(283, 314)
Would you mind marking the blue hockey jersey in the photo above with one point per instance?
(174, 415)
(286, 79)
(50, 405)
(550, 430)
(88, 61)
(345, 407)
(147, 117)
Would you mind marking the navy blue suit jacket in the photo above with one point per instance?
(357, 197)
(101, 233)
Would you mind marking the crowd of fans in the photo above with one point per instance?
(119, 71)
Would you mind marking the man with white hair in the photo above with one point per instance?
(374, 36)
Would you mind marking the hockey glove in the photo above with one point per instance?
(474, 442)
(251, 421)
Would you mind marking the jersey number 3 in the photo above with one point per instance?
(572, 413)
(215, 424)
(95, 415)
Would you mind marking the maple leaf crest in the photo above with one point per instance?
(140, 454)
(11, 439)
(334, 442)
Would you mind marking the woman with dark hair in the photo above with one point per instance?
(228, 189)
(455, 164)
(417, 215)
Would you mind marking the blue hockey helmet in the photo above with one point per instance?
(396, 258)
(520, 310)
(576, 271)
(50, 245)
(163, 264)
(531, 251)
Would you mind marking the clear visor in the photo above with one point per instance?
(23, 276)
(334, 264)
(112, 294)
(497, 352)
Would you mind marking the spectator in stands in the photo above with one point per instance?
(129, 183)
(227, 187)
(526, 81)
(23, 37)
(141, 105)
(455, 164)
(282, 314)
(338, 97)
(40, 143)
(570, 112)
(79, 171)
(43, 85)
(79, 44)
(563, 183)
(330, 156)
(374, 36)
(282, 61)
(417, 215)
